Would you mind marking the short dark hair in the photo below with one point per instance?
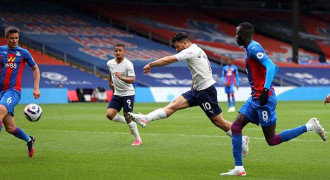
(11, 29)
(247, 28)
(120, 45)
(180, 37)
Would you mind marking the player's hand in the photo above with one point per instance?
(226, 84)
(36, 93)
(263, 99)
(236, 87)
(111, 86)
(147, 69)
(327, 99)
(118, 75)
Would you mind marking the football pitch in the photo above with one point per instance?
(76, 141)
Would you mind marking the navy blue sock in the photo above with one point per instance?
(19, 133)
(292, 133)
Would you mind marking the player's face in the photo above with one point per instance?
(12, 40)
(230, 62)
(239, 36)
(179, 46)
(119, 52)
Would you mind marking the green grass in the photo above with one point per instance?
(76, 141)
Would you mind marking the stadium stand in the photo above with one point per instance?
(212, 34)
(89, 43)
(54, 71)
(313, 31)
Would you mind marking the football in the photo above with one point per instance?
(32, 112)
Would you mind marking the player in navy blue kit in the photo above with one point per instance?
(13, 59)
(260, 107)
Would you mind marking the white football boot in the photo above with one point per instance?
(317, 128)
(234, 172)
(138, 118)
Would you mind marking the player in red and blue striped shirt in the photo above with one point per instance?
(13, 59)
(260, 107)
(230, 78)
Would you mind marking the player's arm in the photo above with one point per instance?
(36, 80)
(327, 99)
(223, 76)
(36, 72)
(129, 80)
(160, 62)
(271, 69)
(110, 81)
(237, 77)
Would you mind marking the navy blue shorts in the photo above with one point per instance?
(206, 99)
(118, 102)
(10, 99)
(263, 115)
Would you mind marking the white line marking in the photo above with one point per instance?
(159, 134)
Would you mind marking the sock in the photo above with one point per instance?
(237, 149)
(156, 114)
(240, 168)
(309, 126)
(0, 125)
(132, 125)
(236, 129)
(229, 102)
(229, 133)
(292, 133)
(19, 133)
(119, 118)
(233, 100)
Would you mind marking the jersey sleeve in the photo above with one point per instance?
(108, 65)
(258, 53)
(184, 55)
(28, 58)
(223, 75)
(130, 70)
(237, 76)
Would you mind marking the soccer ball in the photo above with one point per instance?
(32, 112)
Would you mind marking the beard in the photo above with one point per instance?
(240, 42)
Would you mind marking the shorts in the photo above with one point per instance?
(118, 102)
(206, 99)
(229, 89)
(10, 99)
(263, 115)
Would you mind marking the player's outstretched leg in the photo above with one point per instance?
(141, 119)
(30, 146)
(314, 125)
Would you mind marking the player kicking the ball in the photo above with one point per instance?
(13, 59)
(260, 108)
(121, 79)
(203, 92)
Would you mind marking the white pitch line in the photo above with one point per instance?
(158, 134)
